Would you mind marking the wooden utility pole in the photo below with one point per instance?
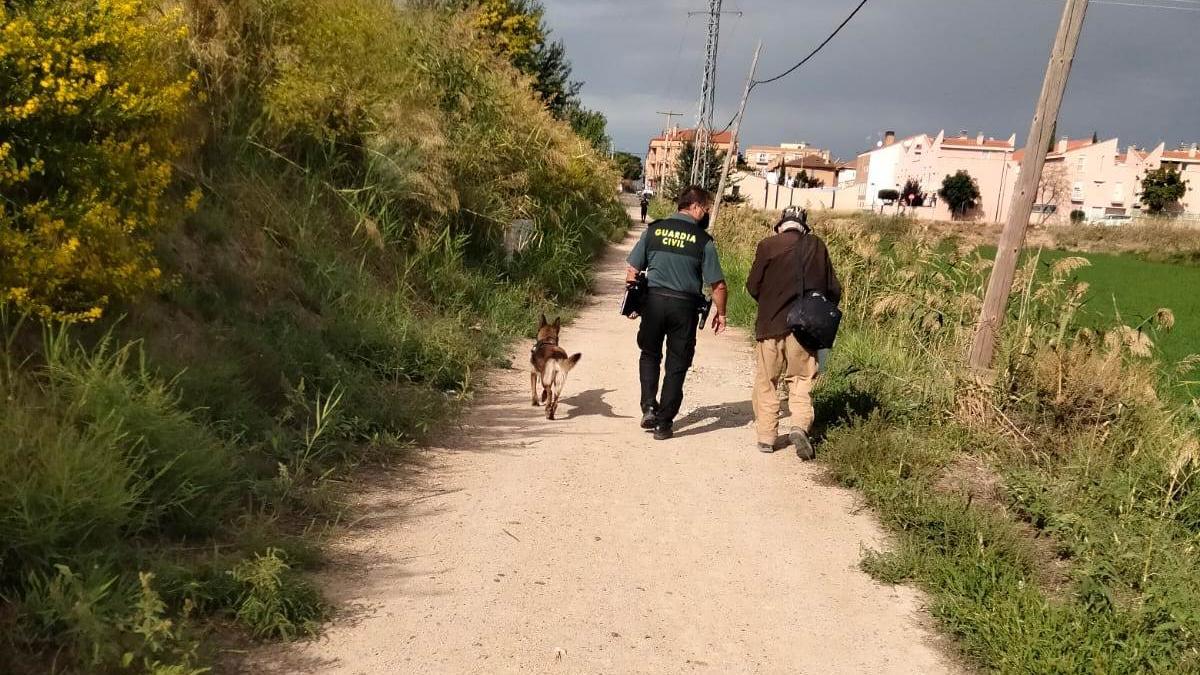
(1012, 238)
(733, 140)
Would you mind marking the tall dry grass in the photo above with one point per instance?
(1051, 510)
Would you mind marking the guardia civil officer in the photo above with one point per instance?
(679, 259)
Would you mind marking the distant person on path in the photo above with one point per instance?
(792, 262)
(679, 259)
(645, 206)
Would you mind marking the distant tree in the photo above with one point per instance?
(1095, 137)
(889, 195)
(806, 181)
(961, 193)
(1162, 189)
(518, 33)
(1053, 187)
(683, 171)
(911, 194)
(629, 164)
(590, 125)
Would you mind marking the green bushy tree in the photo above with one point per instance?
(911, 194)
(629, 164)
(961, 193)
(806, 181)
(519, 33)
(1162, 189)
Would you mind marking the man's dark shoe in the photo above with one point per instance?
(650, 419)
(766, 447)
(804, 448)
(663, 432)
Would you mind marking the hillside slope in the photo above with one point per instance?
(294, 263)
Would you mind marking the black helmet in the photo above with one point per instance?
(797, 215)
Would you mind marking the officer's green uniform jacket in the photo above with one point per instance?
(677, 255)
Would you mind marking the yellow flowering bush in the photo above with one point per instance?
(92, 93)
(514, 25)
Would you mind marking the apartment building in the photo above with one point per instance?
(662, 156)
(762, 157)
(1097, 179)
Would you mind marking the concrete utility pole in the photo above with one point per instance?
(1012, 238)
(733, 141)
(662, 165)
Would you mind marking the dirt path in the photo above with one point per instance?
(583, 546)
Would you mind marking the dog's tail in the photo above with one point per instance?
(554, 376)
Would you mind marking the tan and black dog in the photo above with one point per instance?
(550, 365)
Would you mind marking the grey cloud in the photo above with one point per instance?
(908, 65)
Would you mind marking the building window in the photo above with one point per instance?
(762, 157)
(1119, 193)
(1077, 191)
(1080, 163)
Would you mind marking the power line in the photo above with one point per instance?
(815, 51)
(1139, 5)
(1184, 6)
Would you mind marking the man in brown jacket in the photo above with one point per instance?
(792, 262)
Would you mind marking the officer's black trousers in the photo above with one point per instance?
(672, 319)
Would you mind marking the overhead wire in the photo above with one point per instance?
(1140, 5)
(806, 59)
(816, 51)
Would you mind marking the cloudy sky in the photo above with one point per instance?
(909, 65)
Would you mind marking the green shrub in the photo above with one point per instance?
(272, 601)
(330, 301)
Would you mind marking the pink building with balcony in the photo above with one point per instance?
(928, 160)
(1099, 180)
(1096, 178)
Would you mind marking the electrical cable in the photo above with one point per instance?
(821, 46)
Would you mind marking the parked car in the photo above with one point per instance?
(1114, 220)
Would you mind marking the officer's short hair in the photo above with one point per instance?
(692, 195)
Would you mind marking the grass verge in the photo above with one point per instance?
(1049, 514)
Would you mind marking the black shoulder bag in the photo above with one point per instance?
(813, 319)
(635, 295)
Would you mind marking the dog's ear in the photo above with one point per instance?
(557, 323)
(543, 320)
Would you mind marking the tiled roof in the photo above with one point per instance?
(811, 163)
(1072, 144)
(688, 135)
(1185, 155)
(973, 142)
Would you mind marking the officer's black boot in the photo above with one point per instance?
(664, 431)
(650, 417)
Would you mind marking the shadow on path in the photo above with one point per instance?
(591, 402)
(721, 416)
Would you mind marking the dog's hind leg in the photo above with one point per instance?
(533, 383)
(555, 389)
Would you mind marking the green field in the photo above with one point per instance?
(1127, 287)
